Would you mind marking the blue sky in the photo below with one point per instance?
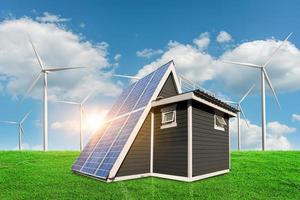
(132, 37)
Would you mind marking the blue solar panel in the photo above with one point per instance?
(120, 101)
(135, 94)
(103, 146)
(88, 148)
(144, 100)
(102, 151)
(118, 145)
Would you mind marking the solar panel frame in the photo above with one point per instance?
(165, 74)
(110, 158)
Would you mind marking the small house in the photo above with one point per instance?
(154, 129)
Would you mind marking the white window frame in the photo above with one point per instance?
(163, 117)
(169, 123)
(220, 128)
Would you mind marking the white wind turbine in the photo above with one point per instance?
(264, 76)
(82, 111)
(239, 107)
(20, 127)
(44, 71)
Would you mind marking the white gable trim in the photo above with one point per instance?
(121, 157)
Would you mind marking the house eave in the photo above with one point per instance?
(192, 96)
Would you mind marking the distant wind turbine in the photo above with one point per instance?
(20, 127)
(239, 107)
(82, 111)
(44, 70)
(264, 76)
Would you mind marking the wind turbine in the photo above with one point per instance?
(20, 127)
(239, 107)
(44, 71)
(264, 75)
(82, 111)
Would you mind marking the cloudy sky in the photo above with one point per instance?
(133, 38)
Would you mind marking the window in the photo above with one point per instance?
(220, 123)
(168, 117)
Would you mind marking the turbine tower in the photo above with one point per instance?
(264, 76)
(20, 127)
(239, 107)
(44, 71)
(82, 111)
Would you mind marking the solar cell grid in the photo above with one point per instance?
(135, 94)
(88, 148)
(118, 145)
(120, 101)
(102, 146)
(144, 100)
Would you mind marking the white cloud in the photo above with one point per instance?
(199, 66)
(202, 41)
(283, 69)
(117, 57)
(251, 137)
(295, 117)
(148, 53)
(68, 125)
(189, 61)
(224, 37)
(57, 47)
(51, 18)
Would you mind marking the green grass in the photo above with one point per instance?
(254, 175)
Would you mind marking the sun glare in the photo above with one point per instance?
(94, 121)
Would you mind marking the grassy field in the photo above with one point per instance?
(254, 175)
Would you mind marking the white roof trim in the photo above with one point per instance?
(187, 96)
(116, 166)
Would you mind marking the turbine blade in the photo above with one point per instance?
(8, 122)
(25, 117)
(125, 76)
(31, 86)
(36, 53)
(22, 130)
(270, 85)
(274, 52)
(87, 97)
(241, 63)
(62, 69)
(241, 109)
(68, 102)
(247, 93)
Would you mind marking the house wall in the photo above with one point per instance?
(210, 146)
(137, 160)
(170, 144)
(169, 88)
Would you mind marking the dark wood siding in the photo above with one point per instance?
(210, 146)
(170, 144)
(169, 88)
(137, 160)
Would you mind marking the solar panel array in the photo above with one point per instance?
(102, 151)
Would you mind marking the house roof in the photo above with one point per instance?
(214, 100)
(199, 96)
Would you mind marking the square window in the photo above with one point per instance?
(168, 117)
(220, 123)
